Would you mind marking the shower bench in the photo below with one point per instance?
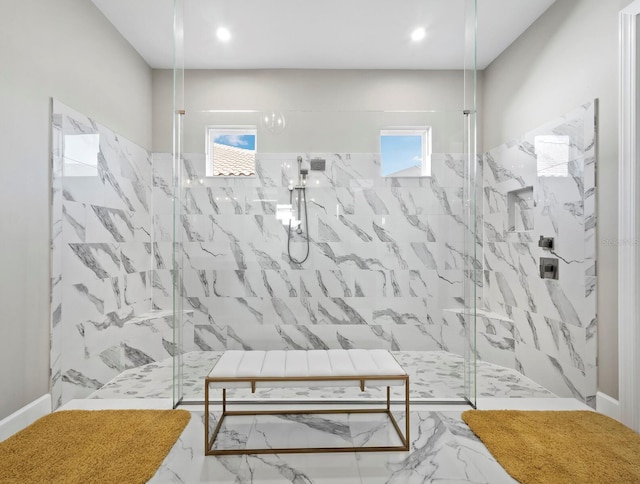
(299, 368)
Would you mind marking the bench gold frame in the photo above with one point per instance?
(210, 441)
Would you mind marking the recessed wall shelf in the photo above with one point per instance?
(520, 205)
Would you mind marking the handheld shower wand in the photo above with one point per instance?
(299, 187)
(300, 193)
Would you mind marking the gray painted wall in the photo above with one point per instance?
(328, 93)
(568, 57)
(64, 49)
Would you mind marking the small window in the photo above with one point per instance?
(231, 151)
(405, 152)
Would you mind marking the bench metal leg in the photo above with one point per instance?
(206, 416)
(209, 441)
(405, 439)
(388, 398)
(406, 411)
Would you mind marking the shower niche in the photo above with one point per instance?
(520, 205)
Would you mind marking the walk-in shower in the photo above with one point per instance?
(363, 261)
(315, 248)
(294, 209)
(318, 250)
(300, 190)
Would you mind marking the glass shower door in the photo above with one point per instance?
(472, 276)
(177, 252)
(391, 284)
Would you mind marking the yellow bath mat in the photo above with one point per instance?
(100, 446)
(559, 446)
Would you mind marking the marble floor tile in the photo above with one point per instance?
(432, 457)
(235, 432)
(443, 449)
(433, 375)
(373, 429)
(297, 430)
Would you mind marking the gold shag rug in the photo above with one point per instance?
(84, 446)
(559, 446)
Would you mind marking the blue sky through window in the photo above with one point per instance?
(400, 152)
(244, 141)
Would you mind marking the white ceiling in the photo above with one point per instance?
(322, 34)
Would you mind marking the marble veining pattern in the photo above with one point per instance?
(386, 255)
(443, 449)
(552, 331)
(102, 318)
(388, 266)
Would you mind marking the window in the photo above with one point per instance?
(231, 151)
(405, 152)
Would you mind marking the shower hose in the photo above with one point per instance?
(306, 226)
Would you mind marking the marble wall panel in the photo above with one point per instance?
(57, 222)
(386, 255)
(554, 321)
(102, 255)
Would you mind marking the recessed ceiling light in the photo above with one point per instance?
(223, 34)
(418, 34)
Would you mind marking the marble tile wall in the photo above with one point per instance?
(544, 328)
(386, 255)
(389, 257)
(102, 257)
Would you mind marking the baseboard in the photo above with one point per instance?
(118, 404)
(532, 403)
(25, 416)
(607, 405)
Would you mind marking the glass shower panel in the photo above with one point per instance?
(180, 318)
(386, 254)
(303, 229)
(472, 285)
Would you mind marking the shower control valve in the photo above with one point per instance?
(549, 268)
(545, 242)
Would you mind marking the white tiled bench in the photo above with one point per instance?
(149, 332)
(299, 368)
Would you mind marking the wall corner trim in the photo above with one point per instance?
(628, 221)
(25, 416)
(607, 406)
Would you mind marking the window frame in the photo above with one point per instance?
(424, 132)
(217, 129)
